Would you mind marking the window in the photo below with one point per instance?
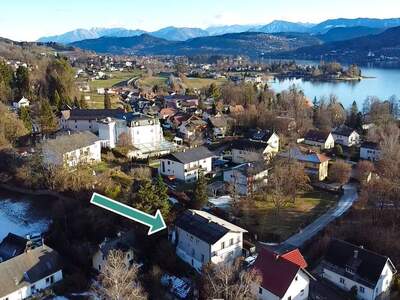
(260, 290)
(342, 281)
(99, 267)
(289, 298)
(202, 258)
(230, 242)
(296, 278)
(362, 290)
(47, 280)
(302, 292)
(223, 245)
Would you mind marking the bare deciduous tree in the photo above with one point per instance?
(229, 281)
(118, 281)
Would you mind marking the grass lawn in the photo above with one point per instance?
(198, 83)
(117, 77)
(260, 216)
(151, 81)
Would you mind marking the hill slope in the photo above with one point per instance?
(385, 44)
(246, 43)
(348, 33)
(325, 26)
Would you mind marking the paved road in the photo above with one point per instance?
(345, 202)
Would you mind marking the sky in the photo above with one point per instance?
(31, 19)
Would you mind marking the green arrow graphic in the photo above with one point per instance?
(156, 223)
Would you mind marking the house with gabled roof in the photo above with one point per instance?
(323, 140)
(12, 245)
(201, 238)
(27, 274)
(283, 273)
(347, 266)
(346, 136)
(186, 165)
(316, 165)
(71, 149)
(247, 150)
(370, 151)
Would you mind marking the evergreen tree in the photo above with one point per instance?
(107, 100)
(22, 82)
(82, 103)
(353, 117)
(48, 121)
(200, 192)
(77, 104)
(149, 201)
(57, 100)
(26, 118)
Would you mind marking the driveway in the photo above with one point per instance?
(345, 202)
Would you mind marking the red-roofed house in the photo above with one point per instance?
(283, 276)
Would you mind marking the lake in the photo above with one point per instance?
(384, 84)
(22, 214)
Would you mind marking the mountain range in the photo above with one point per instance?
(183, 33)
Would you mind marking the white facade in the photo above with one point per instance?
(363, 292)
(348, 141)
(21, 103)
(107, 133)
(329, 143)
(88, 154)
(185, 172)
(99, 259)
(198, 253)
(30, 290)
(79, 125)
(298, 289)
(244, 184)
(370, 154)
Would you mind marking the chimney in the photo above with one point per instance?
(355, 254)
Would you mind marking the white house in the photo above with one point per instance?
(346, 136)
(246, 178)
(71, 149)
(25, 275)
(143, 133)
(123, 242)
(23, 102)
(323, 140)
(86, 119)
(348, 266)
(244, 151)
(283, 275)
(201, 238)
(370, 151)
(186, 165)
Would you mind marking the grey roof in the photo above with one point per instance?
(12, 245)
(343, 130)
(201, 227)
(371, 145)
(218, 122)
(366, 266)
(27, 268)
(190, 155)
(69, 142)
(311, 157)
(317, 136)
(93, 114)
(124, 242)
(249, 145)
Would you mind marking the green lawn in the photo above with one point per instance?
(151, 81)
(198, 83)
(117, 77)
(260, 217)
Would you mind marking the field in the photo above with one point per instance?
(260, 217)
(194, 83)
(96, 100)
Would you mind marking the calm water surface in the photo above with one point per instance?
(384, 84)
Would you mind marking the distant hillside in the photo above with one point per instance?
(347, 33)
(283, 26)
(126, 45)
(386, 44)
(93, 33)
(224, 29)
(179, 34)
(364, 22)
(247, 43)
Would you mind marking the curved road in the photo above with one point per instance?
(345, 202)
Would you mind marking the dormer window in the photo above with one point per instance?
(349, 270)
